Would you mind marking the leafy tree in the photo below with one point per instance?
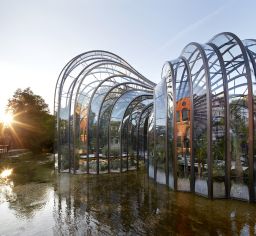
(239, 138)
(201, 152)
(33, 125)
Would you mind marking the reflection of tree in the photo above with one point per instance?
(103, 127)
(63, 130)
(107, 205)
(201, 152)
(218, 149)
(92, 132)
(114, 133)
(27, 186)
(159, 155)
(29, 199)
(64, 143)
(239, 135)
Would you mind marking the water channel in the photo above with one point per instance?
(34, 200)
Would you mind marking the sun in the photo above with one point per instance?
(6, 119)
(5, 173)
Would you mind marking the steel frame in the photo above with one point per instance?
(218, 79)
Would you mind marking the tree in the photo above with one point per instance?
(239, 137)
(201, 152)
(33, 125)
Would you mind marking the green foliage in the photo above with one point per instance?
(25, 101)
(201, 152)
(218, 149)
(115, 152)
(159, 152)
(105, 150)
(34, 126)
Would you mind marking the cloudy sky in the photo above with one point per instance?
(38, 37)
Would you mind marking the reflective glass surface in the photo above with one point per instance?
(195, 130)
(238, 112)
(250, 45)
(117, 116)
(198, 77)
(167, 75)
(183, 109)
(218, 122)
(151, 140)
(84, 92)
(160, 152)
(142, 151)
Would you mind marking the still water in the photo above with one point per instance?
(36, 201)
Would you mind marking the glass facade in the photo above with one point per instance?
(194, 131)
(99, 98)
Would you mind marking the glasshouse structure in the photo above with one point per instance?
(194, 131)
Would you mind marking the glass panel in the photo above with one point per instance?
(251, 48)
(198, 76)
(102, 93)
(104, 119)
(185, 113)
(97, 161)
(64, 110)
(70, 106)
(183, 157)
(177, 116)
(179, 142)
(160, 157)
(81, 120)
(143, 134)
(151, 144)
(130, 133)
(78, 101)
(218, 104)
(117, 117)
(168, 75)
(238, 113)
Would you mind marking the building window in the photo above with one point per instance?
(185, 114)
(178, 116)
(179, 143)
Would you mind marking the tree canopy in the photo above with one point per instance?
(25, 101)
(33, 125)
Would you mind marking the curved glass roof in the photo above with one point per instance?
(195, 130)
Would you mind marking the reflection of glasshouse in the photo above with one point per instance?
(194, 129)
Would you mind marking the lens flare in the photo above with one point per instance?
(5, 173)
(6, 119)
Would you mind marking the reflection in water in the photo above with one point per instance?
(6, 187)
(6, 192)
(132, 204)
(29, 199)
(35, 202)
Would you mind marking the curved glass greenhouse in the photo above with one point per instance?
(195, 130)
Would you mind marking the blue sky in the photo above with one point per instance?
(38, 37)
